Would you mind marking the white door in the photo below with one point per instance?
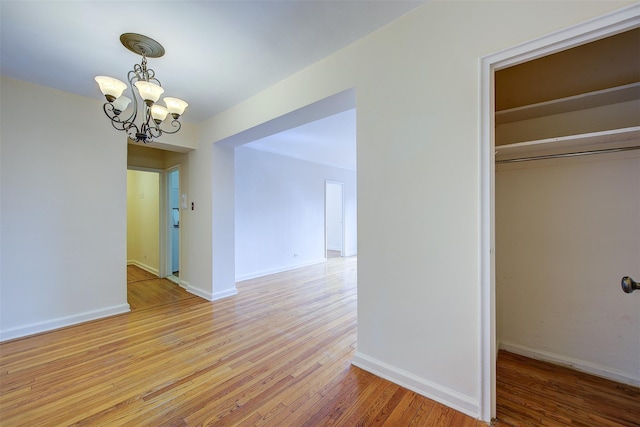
(334, 216)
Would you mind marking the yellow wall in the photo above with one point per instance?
(143, 212)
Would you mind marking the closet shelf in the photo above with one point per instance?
(617, 138)
(598, 98)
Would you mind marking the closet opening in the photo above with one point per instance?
(560, 186)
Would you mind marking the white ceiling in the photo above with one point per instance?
(218, 53)
(330, 141)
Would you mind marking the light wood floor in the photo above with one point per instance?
(145, 290)
(276, 354)
(534, 393)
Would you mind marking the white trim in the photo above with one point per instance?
(574, 363)
(280, 269)
(594, 29)
(208, 295)
(61, 322)
(196, 291)
(431, 390)
(163, 219)
(224, 294)
(166, 223)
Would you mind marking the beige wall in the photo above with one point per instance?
(417, 98)
(567, 231)
(63, 217)
(143, 216)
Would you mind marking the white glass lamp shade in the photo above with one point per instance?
(159, 113)
(120, 104)
(149, 91)
(111, 88)
(175, 106)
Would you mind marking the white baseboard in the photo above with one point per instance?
(433, 391)
(144, 267)
(280, 269)
(574, 363)
(174, 279)
(61, 322)
(208, 295)
(225, 294)
(196, 291)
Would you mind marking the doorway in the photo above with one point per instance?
(334, 219)
(280, 212)
(596, 29)
(153, 221)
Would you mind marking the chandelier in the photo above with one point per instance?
(148, 89)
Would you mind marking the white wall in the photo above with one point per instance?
(63, 211)
(417, 86)
(279, 209)
(567, 231)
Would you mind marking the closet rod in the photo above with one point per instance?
(580, 153)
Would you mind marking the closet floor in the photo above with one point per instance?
(535, 393)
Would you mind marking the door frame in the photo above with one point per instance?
(166, 225)
(604, 26)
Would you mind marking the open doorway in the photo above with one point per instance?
(590, 31)
(281, 206)
(153, 240)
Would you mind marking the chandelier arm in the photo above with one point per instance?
(147, 131)
(132, 133)
(154, 131)
(175, 124)
(134, 113)
(152, 78)
(116, 121)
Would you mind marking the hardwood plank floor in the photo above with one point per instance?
(535, 393)
(145, 290)
(276, 354)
